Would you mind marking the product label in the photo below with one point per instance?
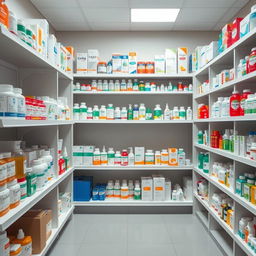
(103, 113)
(15, 194)
(124, 114)
(12, 106)
(3, 173)
(21, 34)
(157, 114)
(252, 60)
(40, 180)
(135, 115)
(142, 114)
(96, 113)
(23, 190)
(27, 249)
(110, 114)
(10, 169)
(149, 159)
(235, 104)
(4, 202)
(164, 159)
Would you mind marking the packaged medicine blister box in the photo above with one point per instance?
(78, 155)
(158, 188)
(182, 60)
(93, 59)
(81, 63)
(139, 155)
(171, 61)
(132, 62)
(146, 188)
(88, 155)
(159, 64)
(168, 189)
(117, 63)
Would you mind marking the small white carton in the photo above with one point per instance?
(78, 155)
(93, 59)
(171, 61)
(245, 26)
(88, 155)
(182, 60)
(242, 146)
(158, 188)
(139, 155)
(117, 63)
(132, 62)
(81, 63)
(125, 64)
(159, 64)
(168, 190)
(146, 188)
(211, 51)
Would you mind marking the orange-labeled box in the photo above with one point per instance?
(173, 156)
(37, 224)
(146, 188)
(159, 188)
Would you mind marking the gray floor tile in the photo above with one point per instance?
(151, 250)
(102, 249)
(145, 219)
(61, 249)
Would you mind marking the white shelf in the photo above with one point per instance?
(55, 232)
(247, 39)
(228, 119)
(202, 216)
(227, 154)
(220, 237)
(106, 76)
(251, 77)
(133, 203)
(135, 167)
(247, 205)
(226, 227)
(133, 122)
(7, 123)
(131, 93)
(15, 51)
(29, 202)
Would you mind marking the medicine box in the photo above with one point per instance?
(92, 62)
(182, 60)
(70, 59)
(81, 63)
(171, 61)
(159, 64)
(88, 155)
(235, 34)
(173, 156)
(132, 62)
(125, 64)
(158, 188)
(197, 56)
(202, 56)
(245, 26)
(211, 51)
(78, 155)
(117, 63)
(139, 155)
(226, 36)
(146, 188)
(168, 190)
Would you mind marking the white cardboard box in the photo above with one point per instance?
(168, 189)
(139, 155)
(171, 61)
(132, 62)
(88, 155)
(93, 59)
(159, 64)
(211, 51)
(81, 63)
(117, 63)
(182, 60)
(146, 188)
(78, 155)
(158, 188)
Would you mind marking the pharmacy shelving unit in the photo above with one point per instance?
(122, 134)
(226, 237)
(23, 67)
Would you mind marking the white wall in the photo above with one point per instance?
(146, 44)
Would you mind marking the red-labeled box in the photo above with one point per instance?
(236, 30)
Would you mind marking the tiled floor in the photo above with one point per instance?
(134, 235)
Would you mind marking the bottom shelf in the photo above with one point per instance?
(133, 203)
(55, 231)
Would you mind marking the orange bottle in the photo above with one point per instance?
(20, 161)
(9, 160)
(3, 171)
(4, 14)
(25, 242)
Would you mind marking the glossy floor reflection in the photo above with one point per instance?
(134, 235)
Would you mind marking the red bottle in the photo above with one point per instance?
(203, 111)
(234, 104)
(124, 158)
(252, 61)
(215, 138)
(244, 96)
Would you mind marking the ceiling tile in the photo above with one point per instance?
(110, 26)
(240, 3)
(201, 15)
(230, 14)
(103, 3)
(60, 15)
(193, 26)
(208, 3)
(156, 3)
(107, 14)
(54, 3)
(151, 26)
(72, 26)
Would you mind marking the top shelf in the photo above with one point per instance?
(18, 53)
(160, 76)
(243, 42)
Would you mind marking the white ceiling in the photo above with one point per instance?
(114, 15)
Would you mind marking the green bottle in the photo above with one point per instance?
(200, 137)
(130, 113)
(31, 182)
(206, 163)
(200, 160)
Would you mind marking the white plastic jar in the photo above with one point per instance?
(45, 164)
(46, 155)
(149, 157)
(8, 102)
(21, 113)
(12, 23)
(4, 244)
(38, 168)
(15, 194)
(4, 200)
(10, 166)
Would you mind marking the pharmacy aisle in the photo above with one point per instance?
(135, 235)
